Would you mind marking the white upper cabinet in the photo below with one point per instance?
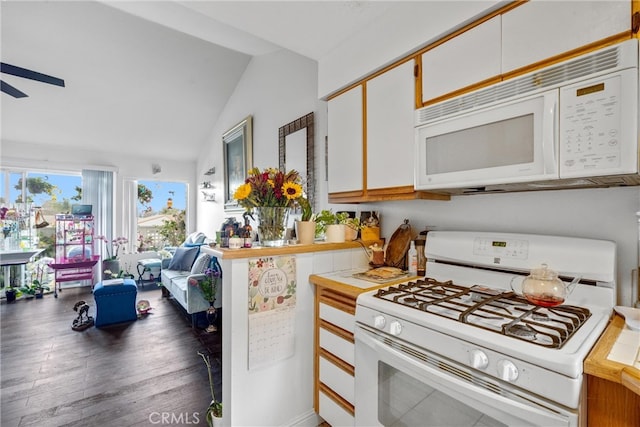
(469, 58)
(541, 29)
(345, 155)
(390, 135)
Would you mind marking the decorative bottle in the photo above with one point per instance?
(412, 258)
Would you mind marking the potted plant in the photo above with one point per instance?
(35, 289)
(306, 226)
(111, 262)
(352, 227)
(370, 230)
(332, 225)
(11, 293)
(214, 411)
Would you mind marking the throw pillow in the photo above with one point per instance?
(183, 258)
(201, 264)
(195, 238)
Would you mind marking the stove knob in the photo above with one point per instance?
(478, 359)
(379, 321)
(507, 370)
(395, 328)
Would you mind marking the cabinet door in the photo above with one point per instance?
(469, 58)
(345, 126)
(390, 111)
(538, 29)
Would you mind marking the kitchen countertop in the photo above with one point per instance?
(597, 364)
(344, 282)
(260, 251)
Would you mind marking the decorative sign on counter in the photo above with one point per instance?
(272, 304)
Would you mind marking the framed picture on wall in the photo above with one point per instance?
(238, 159)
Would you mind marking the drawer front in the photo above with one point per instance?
(333, 413)
(338, 346)
(338, 317)
(337, 380)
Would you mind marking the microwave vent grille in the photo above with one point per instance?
(554, 76)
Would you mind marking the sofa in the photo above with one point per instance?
(188, 263)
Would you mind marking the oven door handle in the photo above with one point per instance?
(450, 379)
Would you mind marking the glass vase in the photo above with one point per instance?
(272, 225)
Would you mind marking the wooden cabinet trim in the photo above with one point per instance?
(337, 361)
(336, 330)
(598, 365)
(347, 194)
(609, 404)
(635, 17)
(341, 302)
(381, 196)
(337, 399)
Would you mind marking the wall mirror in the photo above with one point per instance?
(296, 151)
(238, 159)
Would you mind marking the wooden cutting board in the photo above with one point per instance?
(398, 246)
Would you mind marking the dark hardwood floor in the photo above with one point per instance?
(142, 373)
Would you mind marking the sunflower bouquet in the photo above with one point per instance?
(269, 188)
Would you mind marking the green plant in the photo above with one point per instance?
(208, 284)
(327, 217)
(353, 223)
(215, 407)
(174, 230)
(11, 288)
(119, 275)
(34, 288)
(307, 213)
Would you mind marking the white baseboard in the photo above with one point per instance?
(309, 419)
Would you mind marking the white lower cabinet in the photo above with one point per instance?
(337, 346)
(337, 380)
(337, 317)
(335, 356)
(333, 413)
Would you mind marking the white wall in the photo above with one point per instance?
(275, 89)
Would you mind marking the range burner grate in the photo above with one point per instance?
(496, 310)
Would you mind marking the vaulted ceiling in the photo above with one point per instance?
(144, 77)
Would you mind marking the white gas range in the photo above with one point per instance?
(461, 336)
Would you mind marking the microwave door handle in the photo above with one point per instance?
(550, 134)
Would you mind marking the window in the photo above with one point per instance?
(161, 214)
(40, 196)
(29, 203)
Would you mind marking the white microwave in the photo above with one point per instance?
(574, 124)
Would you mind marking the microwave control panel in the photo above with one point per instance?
(591, 126)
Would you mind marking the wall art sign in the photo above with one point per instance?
(271, 309)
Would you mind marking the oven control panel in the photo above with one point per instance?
(501, 248)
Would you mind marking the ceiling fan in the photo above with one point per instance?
(27, 74)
